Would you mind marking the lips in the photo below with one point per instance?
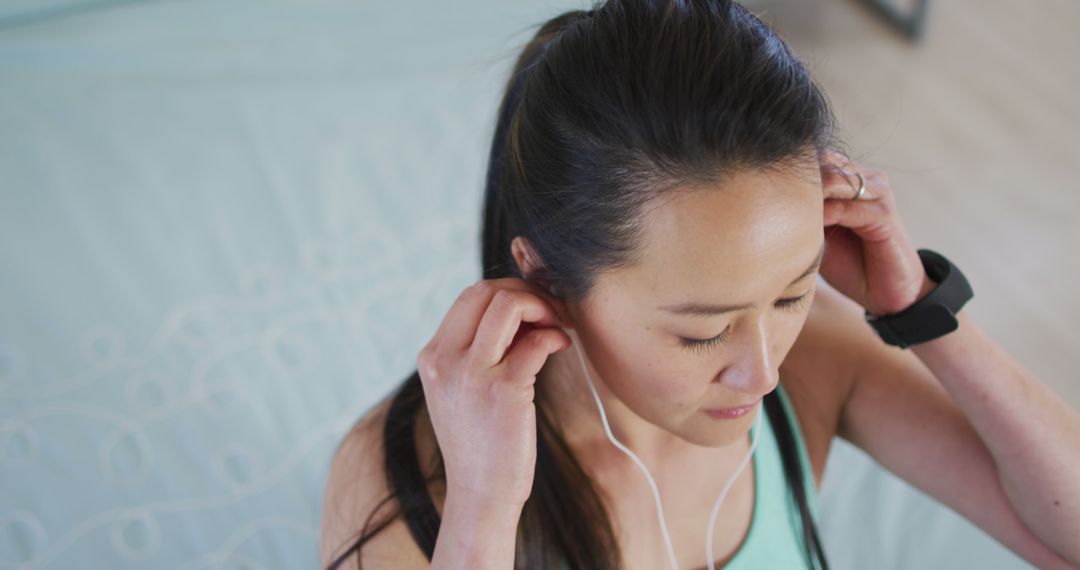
(731, 412)
(734, 408)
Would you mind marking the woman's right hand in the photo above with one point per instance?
(478, 373)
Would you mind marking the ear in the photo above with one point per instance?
(528, 261)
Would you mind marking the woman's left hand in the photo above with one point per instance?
(869, 257)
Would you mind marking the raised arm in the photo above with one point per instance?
(1033, 436)
(476, 534)
(956, 415)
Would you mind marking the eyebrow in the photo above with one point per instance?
(705, 310)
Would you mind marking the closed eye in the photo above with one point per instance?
(702, 345)
(795, 303)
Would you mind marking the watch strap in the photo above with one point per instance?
(933, 315)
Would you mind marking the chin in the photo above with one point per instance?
(722, 433)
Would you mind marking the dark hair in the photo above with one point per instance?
(605, 110)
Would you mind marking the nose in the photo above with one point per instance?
(753, 369)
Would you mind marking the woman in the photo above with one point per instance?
(663, 200)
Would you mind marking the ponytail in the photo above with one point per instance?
(503, 176)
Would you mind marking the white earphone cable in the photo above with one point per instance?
(716, 506)
(648, 476)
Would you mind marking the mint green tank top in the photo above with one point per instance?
(774, 539)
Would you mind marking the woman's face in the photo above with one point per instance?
(737, 265)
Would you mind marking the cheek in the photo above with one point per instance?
(644, 379)
(643, 373)
(670, 386)
(788, 335)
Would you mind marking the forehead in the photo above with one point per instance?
(755, 230)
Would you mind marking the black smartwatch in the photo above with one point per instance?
(933, 315)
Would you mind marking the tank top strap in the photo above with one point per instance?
(804, 454)
(775, 537)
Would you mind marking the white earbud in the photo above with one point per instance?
(648, 477)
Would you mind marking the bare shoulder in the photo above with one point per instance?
(819, 370)
(357, 489)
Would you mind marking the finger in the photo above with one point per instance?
(532, 288)
(840, 178)
(834, 177)
(519, 284)
(871, 220)
(528, 355)
(539, 289)
(459, 325)
(843, 184)
(505, 313)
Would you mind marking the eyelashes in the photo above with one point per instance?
(703, 345)
(794, 304)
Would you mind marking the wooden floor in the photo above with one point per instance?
(978, 128)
